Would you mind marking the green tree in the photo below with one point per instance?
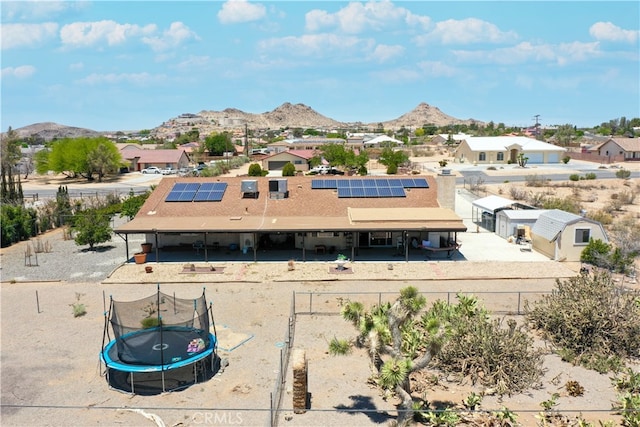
(10, 188)
(132, 204)
(218, 143)
(596, 253)
(78, 157)
(91, 227)
(392, 159)
(104, 159)
(522, 160)
(289, 169)
(564, 135)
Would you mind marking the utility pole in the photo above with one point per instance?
(246, 139)
(537, 125)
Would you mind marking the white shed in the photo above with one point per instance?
(508, 221)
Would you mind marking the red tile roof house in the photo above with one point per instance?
(140, 159)
(291, 213)
(299, 158)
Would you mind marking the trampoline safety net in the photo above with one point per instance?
(160, 329)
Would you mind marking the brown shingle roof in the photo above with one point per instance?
(304, 209)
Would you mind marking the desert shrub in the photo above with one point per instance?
(565, 203)
(603, 217)
(150, 322)
(591, 320)
(623, 173)
(628, 404)
(518, 193)
(596, 253)
(574, 177)
(255, 170)
(485, 350)
(392, 169)
(590, 175)
(566, 159)
(491, 168)
(626, 197)
(614, 205)
(535, 180)
(289, 169)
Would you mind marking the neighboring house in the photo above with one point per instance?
(509, 222)
(484, 210)
(562, 236)
(629, 148)
(505, 149)
(139, 159)
(299, 158)
(381, 141)
(304, 144)
(443, 138)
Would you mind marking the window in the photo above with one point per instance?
(500, 157)
(582, 236)
(483, 156)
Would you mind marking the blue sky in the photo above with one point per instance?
(127, 65)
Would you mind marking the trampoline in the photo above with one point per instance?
(155, 336)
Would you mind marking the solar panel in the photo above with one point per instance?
(384, 192)
(210, 192)
(421, 183)
(344, 192)
(397, 192)
(357, 192)
(342, 183)
(395, 183)
(355, 183)
(369, 183)
(382, 182)
(370, 192)
(183, 192)
(330, 184)
(317, 184)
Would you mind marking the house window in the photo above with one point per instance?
(500, 157)
(483, 156)
(582, 236)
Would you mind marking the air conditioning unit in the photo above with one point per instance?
(278, 189)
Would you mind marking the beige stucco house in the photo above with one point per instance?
(299, 158)
(627, 147)
(562, 236)
(505, 149)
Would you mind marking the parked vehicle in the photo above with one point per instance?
(152, 169)
(168, 171)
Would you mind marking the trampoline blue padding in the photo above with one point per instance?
(157, 349)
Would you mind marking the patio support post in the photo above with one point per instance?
(405, 235)
(126, 245)
(304, 252)
(156, 245)
(255, 247)
(206, 255)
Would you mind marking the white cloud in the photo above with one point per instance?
(358, 17)
(138, 79)
(21, 72)
(238, 11)
(610, 32)
(76, 66)
(466, 31)
(383, 52)
(561, 54)
(436, 69)
(32, 10)
(26, 35)
(174, 36)
(86, 34)
(320, 45)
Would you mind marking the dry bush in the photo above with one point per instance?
(518, 193)
(603, 217)
(535, 181)
(590, 320)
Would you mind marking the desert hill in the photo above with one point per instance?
(286, 115)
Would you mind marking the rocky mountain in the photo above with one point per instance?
(425, 114)
(286, 115)
(48, 131)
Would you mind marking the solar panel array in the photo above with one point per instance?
(369, 187)
(197, 192)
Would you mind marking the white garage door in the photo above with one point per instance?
(535, 157)
(553, 158)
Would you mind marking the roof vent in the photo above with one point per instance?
(249, 189)
(445, 172)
